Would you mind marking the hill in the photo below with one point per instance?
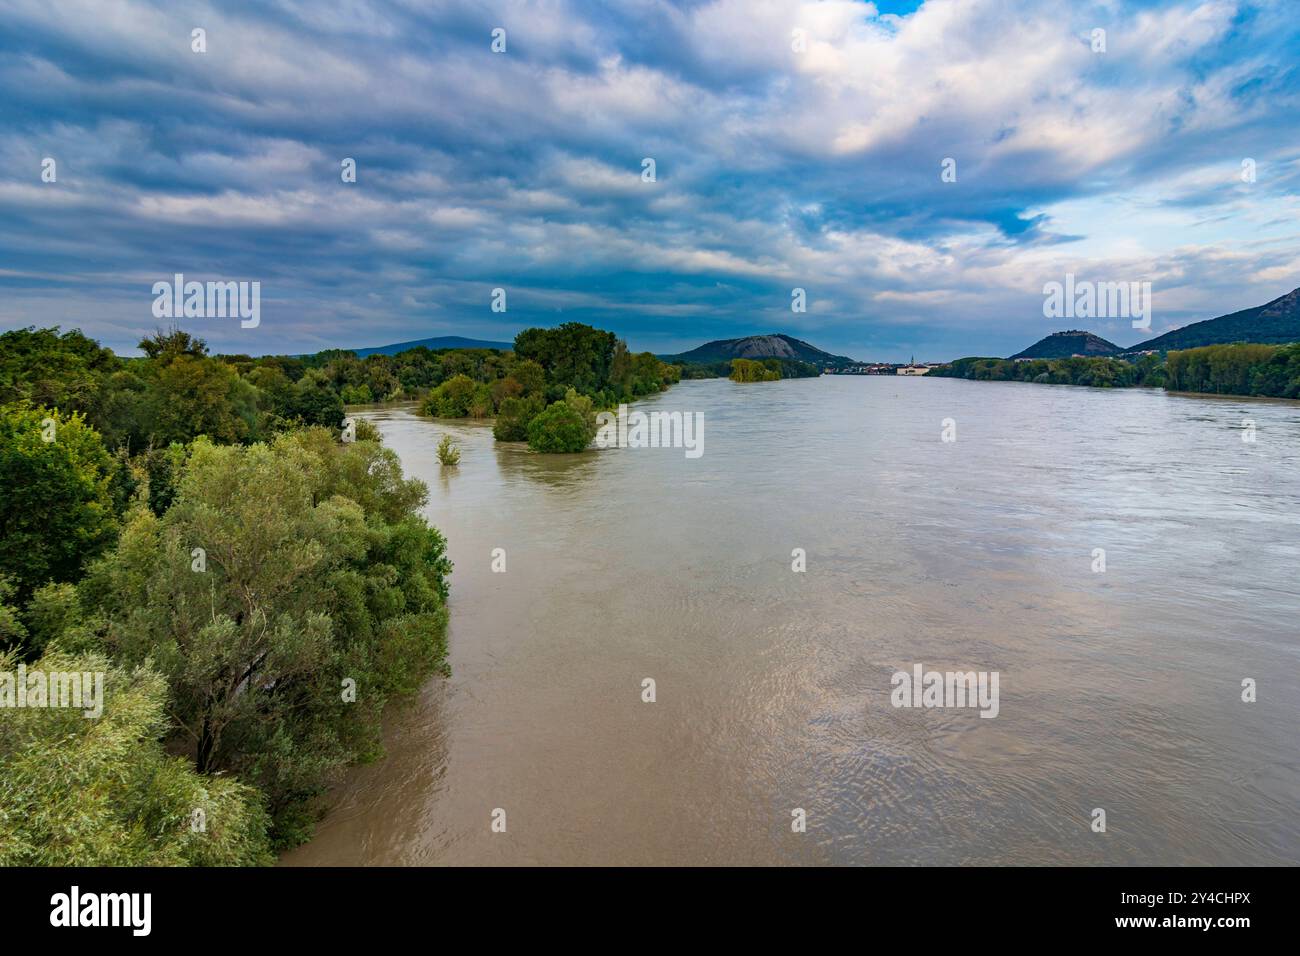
(1068, 343)
(441, 342)
(1272, 323)
(776, 346)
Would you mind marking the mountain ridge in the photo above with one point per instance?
(436, 342)
(1273, 323)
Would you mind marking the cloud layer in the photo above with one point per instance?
(776, 167)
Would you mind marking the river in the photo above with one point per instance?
(1119, 689)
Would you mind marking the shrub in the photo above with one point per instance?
(513, 418)
(481, 403)
(559, 428)
(448, 452)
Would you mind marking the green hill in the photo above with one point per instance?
(1067, 344)
(1273, 323)
(775, 346)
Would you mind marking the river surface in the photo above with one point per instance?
(1119, 689)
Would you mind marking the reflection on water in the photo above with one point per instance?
(1119, 690)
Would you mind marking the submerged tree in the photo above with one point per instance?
(448, 452)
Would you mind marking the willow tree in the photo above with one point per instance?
(101, 791)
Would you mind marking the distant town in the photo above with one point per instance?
(911, 368)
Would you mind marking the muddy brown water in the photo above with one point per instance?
(1119, 690)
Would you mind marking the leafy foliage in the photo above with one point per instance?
(1240, 369)
(789, 368)
(572, 354)
(514, 416)
(453, 398)
(749, 370)
(448, 453)
(255, 589)
(102, 792)
(561, 427)
(318, 571)
(1237, 370)
(1097, 372)
(56, 511)
(44, 368)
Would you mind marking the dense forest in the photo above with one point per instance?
(252, 586)
(1241, 369)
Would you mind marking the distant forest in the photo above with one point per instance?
(1240, 369)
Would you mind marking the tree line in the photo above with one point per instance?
(785, 367)
(1238, 369)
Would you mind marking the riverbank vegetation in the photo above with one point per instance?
(751, 370)
(1241, 369)
(1097, 372)
(252, 587)
(1271, 370)
(788, 368)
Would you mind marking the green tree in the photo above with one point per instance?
(315, 402)
(356, 395)
(191, 395)
(165, 345)
(573, 354)
(748, 370)
(559, 428)
(514, 416)
(12, 630)
(481, 403)
(316, 575)
(453, 398)
(56, 512)
(530, 376)
(1279, 375)
(585, 407)
(46, 368)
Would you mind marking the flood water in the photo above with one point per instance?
(1119, 690)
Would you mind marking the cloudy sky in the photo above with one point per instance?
(775, 167)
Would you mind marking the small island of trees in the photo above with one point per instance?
(548, 390)
(752, 370)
